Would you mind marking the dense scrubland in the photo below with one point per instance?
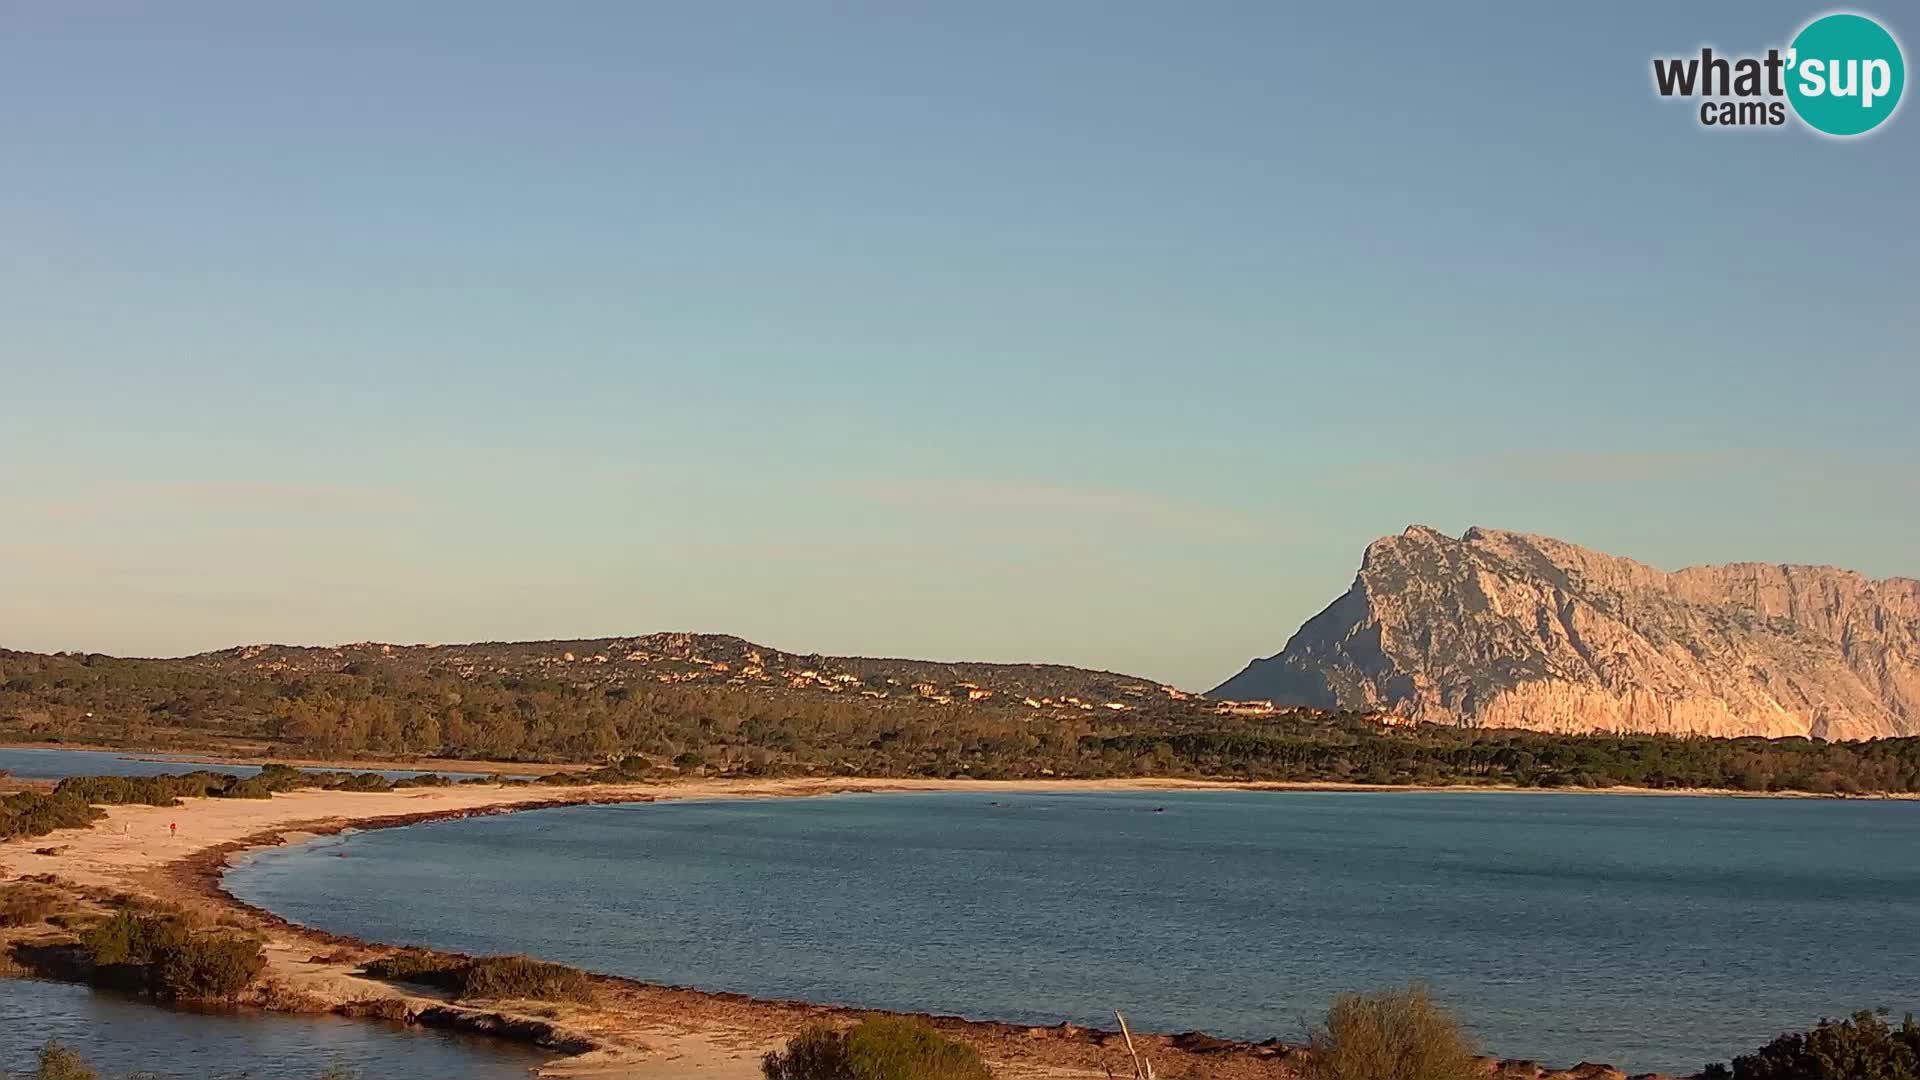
(343, 705)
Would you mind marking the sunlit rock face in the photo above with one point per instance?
(1505, 629)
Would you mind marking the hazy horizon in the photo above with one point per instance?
(1104, 334)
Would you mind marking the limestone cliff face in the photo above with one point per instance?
(1503, 629)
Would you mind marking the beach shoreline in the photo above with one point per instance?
(636, 1029)
(639, 1029)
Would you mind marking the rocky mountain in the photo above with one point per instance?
(1505, 629)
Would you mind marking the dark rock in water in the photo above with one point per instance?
(1587, 1070)
(1199, 1042)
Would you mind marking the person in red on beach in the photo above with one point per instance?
(173, 828)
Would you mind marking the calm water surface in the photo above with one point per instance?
(121, 1036)
(60, 764)
(1651, 932)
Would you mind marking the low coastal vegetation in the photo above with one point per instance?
(1862, 1047)
(1397, 1034)
(505, 977)
(76, 801)
(880, 1048)
(165, 955)
(26, 903)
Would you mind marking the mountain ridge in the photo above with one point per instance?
(1509, 629)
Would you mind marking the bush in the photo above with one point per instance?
(883, 1048)
(1861, 1048)
(425, 968)
(59, 1063)
(1392, 1035)
(817, 1053)
(131, 939)
(209, 966)
(30, 813)
(164, 956)
(487, 977)
(24, 903)
(524, 977)
(425, 780)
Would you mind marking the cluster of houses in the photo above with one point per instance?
(676, 658)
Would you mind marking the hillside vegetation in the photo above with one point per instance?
(702, 704)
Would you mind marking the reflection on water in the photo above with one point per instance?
(122, 1035)
(36, 764)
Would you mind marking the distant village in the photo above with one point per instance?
(719, 660)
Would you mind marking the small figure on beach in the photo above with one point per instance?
(173, 828)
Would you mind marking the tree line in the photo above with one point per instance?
(392, 711)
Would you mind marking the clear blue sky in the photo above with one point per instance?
(1098, 332)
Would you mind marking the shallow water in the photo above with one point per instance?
(122, 1035)
(1651, 932)
(38, 764)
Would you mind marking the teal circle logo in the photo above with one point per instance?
(1844, 74)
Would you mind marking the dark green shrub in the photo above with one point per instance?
(882, 1048)
(162, 955)
(424, 968)
(487, 976)
(29, 813)
(425, 780)
(524, 977)
(366, 781)
(209, 966)
(132, 939)
(817, 1053)
(1864, 1047)
(1391, 1035)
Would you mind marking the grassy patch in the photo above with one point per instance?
(882, 1048)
